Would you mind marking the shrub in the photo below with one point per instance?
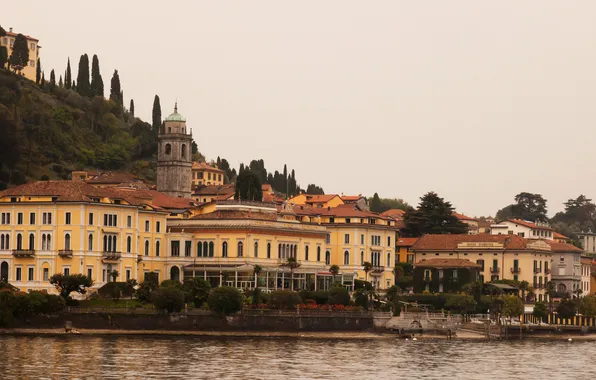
(256, 296)
(339, 295)
(361, 284)
(540, 310)
(45, 178)
(319, 296)
(225, 300)
(115, 290)
(361, 299)
(284, 299)
(171, 283)
(460, 304)
(168, 298)
(566, 309)
(197, 290)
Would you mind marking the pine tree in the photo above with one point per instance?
(52, 78)
(156, 116)
(60, 83)
(83, 85)
(132, 108)
(68, 75)
(434, 215)
(375, 204)
(96, 80)
(20, 53)
(38, 72)
(115, 91)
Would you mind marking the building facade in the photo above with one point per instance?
(588, 241)
(523, 228)
(205, 174)
(29, 71)
(174, 157)
(444, 275)
(567, 268)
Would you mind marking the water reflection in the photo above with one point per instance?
(280, 358)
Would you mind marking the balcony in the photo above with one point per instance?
(139, 258)
(536, 270)
(377, 271)
(65, 253)
(515, 270)
(495, 270)
(547, 271)
(111, 256)
(23, 252)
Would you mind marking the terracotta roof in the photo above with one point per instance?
(341, 211)
(266, 187)
(394, 213)
(529, 224)
(562, 247)
(114, 177)
(237, 215)
(406, 242)
(204, 166)
(11, 34)
(322, 198)
(447, 263)
(450, 242)
(157, 199)
(351, 198)
(214, 190)
(557, 235)
(462, 216)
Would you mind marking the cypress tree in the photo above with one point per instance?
(43, 80)
(60, 83)
(3, 50)
(156, 116)
(96, 80)
(19, 59)
(38, 72)
(52, 78)
(74, 85)
(68, 75)
(286, 180)
(115, 91)
(83, 85)
(132, 108)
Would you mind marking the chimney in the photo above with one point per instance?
(10, 29)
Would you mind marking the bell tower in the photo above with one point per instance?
(174, 156)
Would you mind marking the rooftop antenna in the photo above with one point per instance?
(176, 106)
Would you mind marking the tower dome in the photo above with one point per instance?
(175, 116)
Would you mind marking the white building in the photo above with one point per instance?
(523, 228)
(586, 275)
(588, 240)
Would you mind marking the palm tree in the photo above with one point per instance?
(524, 286)
(367, 268)
(292, 264)
(334, 270)
(257, 269)
(114, 274)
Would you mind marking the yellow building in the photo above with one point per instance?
(320, 201)
(355, 237)
(31, 69)
(206, 194)
(403, 250)
(72, 227)
(205, 174)
(500, 256)
(225, 240)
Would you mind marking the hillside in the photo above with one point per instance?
(51, 131)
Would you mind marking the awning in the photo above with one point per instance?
(503, 286)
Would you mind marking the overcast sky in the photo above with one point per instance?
(476, 100)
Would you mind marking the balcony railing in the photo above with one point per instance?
(111, 255)
(495, 270)
(536, 270)
(65, 253)
(377, 270)
(547, 271)
(23, 252)
(515, 270)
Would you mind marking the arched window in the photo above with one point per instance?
(183, 151)
(361, 257)
(199, 249)
(90, 243)
(7, 241)
(256, 249)
(240, 249)
(19, 242)
(346, 258)
(128, 244)
(318, 253)
(175, 274)
(2, 241)
(205, 249)
(43, 242)
(327, 258)
(146, 247)
(113, 243)
(31, 241)
(49, 242)
(157, 248)
(211, 249)
(224, 249)
(4, 271)
(105, 243)
(389, 259)
(168, 149)
(67, 242)
(306, 253)
(279, 251)
(169, 129)
(268, 250)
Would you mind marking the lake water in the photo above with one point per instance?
(286, 358)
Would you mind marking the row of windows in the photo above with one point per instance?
(374, 239)
(200, 175)
(374, 260)
(66, 270)
(168, 147)
(109, 220)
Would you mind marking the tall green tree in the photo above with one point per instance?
(60, 82)
(3, 50)
(52, 78)
(115, 90)
(156, 116)
(43, 80)
(132, 108)
(527, 206)
(248, 187)
(286, 181)
(375, 203)
(83, 84)
(67, 284)
(434, 215)
(20, 54)
(38, 72)
(96, 79)
(68, 75)
(314, 189)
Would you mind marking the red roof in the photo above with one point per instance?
(237, 215)
(529, 224)
(450, 242)
(351, 198)
(322, 198)
(113, 178)
(11, 34)
(214, 190)
(406, 242)
(562, 247)
(463, 217)
(394, 213)
(557, 235)
(447, 263)
(204, 166)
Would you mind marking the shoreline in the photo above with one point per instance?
(344, 335)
